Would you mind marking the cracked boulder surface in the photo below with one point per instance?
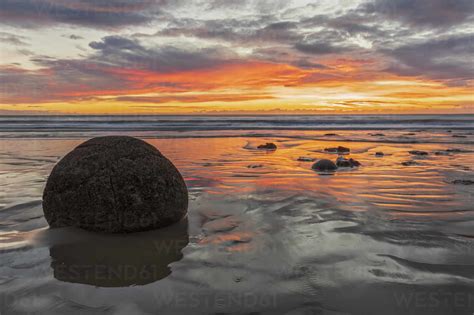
(115, 184)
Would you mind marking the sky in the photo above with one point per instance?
(236, 57)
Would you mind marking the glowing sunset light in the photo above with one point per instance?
(195, 57)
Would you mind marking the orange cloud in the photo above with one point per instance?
(345, 85)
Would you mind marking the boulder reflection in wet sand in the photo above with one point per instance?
(118, 260)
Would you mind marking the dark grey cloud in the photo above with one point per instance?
(306, 64)
(25, 52)
(433, 13)
(114, 66)
(270, 39)
(59, 80)
(260, 6)
(263, 30)
(13, 39)
(210, 97)
(18, 84)
(316, 48)
(75, 37)
(341, 30)
(448, 58)
(328, 41)
(243, 31)
(89, 13)
(126, 52)
(111, 44)
(266, 33)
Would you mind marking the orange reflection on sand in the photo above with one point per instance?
(235, 241)
(232, 166)
(380, 184)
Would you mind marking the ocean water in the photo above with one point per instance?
(265, 234)
(15, 126)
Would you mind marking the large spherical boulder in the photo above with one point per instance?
(115, 184)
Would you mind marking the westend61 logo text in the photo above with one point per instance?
(436, 299)
(213, 300)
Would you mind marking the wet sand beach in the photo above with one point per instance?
(265, 234)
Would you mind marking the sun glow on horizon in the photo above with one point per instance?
(198, 59)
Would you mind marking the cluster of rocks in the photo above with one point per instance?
(415, 153)
(325, 165)
(424, 154)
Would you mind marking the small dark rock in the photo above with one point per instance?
(343, 162)
(459, 136)
(455, 150)
(441, 153)
(237, 279)
(377, 134)
(331, 134)
(355, 163)
(410, 134)
(115, 184)
(417, 152)
(306, 159)
(267, 146)
(255, 166)
(410, 163)
(463, 182)
(324, 165)
(379, 154)
(339, 149)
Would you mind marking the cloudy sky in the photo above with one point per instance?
(236, 56)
